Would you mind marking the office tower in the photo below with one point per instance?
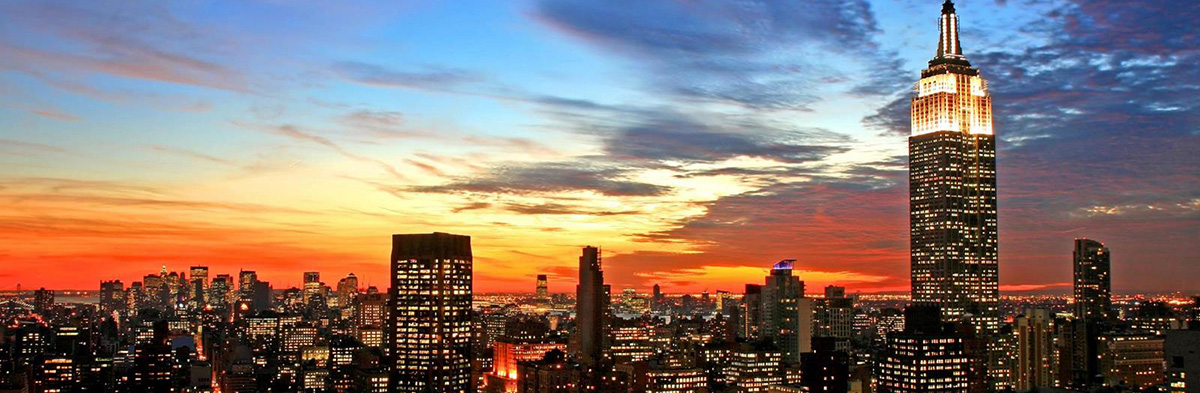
(1034, 331)
(543, 289)
(664, 378)
(219, 291)
(1182, 353)
(1078, 356)
(43, 301)
(807, 323)
(429, 326)
(927, 357)
(260, 296)
(657, 298)
(246, 280)
(1131, 359)
(552, 374)
(826, 368)
(835, 317)
(750, 320)
(347, 290)
(112, 297)
(524, 340)
(631, 340)
(781, 318)
(199, 284)
(753, 367)
(1093, 281)
(591, 306)
(369, 319)
(312, 287)
(952, 187)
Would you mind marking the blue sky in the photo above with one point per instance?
(697, 141)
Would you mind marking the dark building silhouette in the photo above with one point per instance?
(591, 307)
(1182, 353)
(826, 369)
(1093, 281)
(750, 318)
(112, 297)
(952, 187)
(429, 327)
(43, 301)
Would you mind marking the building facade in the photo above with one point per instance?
(1093, 281)
(429, 325)
(952, 186)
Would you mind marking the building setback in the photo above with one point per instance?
(952, 187)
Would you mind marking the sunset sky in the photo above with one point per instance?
(697, 142)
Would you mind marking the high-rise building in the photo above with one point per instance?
(1036, 358)
(112, 297)
(543, 289)
(1131, 359)
(347, 290)
(219, 290)
(429, 326)
(312, 285)
(750, 313)
(369, 318)
(246, 280)
(927, 357)
(43, 301)
(1182, 353)
(952, 186)
(1093, 281)
(591, 307)
(835, 317)
(753, 367)
(656, 297)
(781, 317)
(199, 284)
(524, 339)
(826, 368)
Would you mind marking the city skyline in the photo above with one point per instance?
(715, 148)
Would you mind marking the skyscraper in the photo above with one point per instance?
(199, 284)
(347, 290)
(246, 280)
(312, 285)
(927, 357)
(1036, 360)
(1093, 284)
(952, 186)
(781, 317)
(591, 304)
(543, 289)
(429, 327)
(112, 297)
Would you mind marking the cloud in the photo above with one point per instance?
(294, 132)
(144, 41)
(1098, 135)
(191, 154)
(55, 114)
(14, 147)
(760, 54)
(549, 178)
(431, 78)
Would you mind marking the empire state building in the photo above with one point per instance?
(952, 187)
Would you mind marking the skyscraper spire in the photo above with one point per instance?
(948, 45)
